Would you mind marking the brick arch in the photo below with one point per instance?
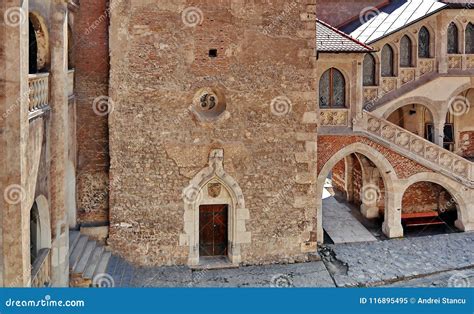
(458, 193)
(388, 175)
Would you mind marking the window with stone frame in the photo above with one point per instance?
(406, 59)
(369, 70)
(387, 61)
(453, 39)
(470, 38)
(424, 43)
(332, 89)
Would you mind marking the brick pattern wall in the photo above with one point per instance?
(336, 12)
(338, 176)
(467, 144)
(425, 196)
(92, 73)
(357, 180)
(403, 166)
(157, 145)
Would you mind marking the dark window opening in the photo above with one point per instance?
(369, 70)
(470, 38)
(213, 53)
(332, 89)
(387, 61)
(424, 43)
(405, 52)
(453, 41)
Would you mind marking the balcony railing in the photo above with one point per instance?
(39, 91)
(41, 269)
(70, 83)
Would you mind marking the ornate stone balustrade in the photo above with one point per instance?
(39, 91)
(70, 83)
(419, 147)
(41, 269)
(371, 94)
(388, 84)
(334, 117)
(470, 61)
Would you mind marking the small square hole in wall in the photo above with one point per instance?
(213, 53)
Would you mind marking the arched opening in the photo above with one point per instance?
(415, 118)
(387, 61)
(38, 44)
(406, 56)
(470, 38)
(428, 208)
(332, 89)
(369, 70)
(453, 39)
(362, 177)
(424, 43)
(353, 201)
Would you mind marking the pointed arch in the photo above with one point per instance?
(453, 38)
(469, 45)
(202, 191)
(369, 70)
(406, 55)
(388, 61)
(424, 43)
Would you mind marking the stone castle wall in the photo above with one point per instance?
(160, 60)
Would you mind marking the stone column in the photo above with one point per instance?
(59, 145)
(370, 193)
(349, 178)
(15, 269)
(438, 133)
(441, 44)
(465, 221)
(392, 225)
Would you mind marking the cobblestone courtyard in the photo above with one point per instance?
(432, 261)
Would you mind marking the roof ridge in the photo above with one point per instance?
(344, 35)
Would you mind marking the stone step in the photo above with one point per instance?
(81, 265)
(104, 261)
(77, 251)
(73, 238)
(93, 262)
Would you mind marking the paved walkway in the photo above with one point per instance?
(341, 225)
(384, 261)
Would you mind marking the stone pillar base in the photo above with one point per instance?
(369, 211)
(464, 227)
(395, 231)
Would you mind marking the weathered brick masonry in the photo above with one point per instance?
(158, 64)
(92, 73)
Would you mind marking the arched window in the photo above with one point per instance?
(369, 70)
(470, 38)
(405, 52)
(332, 89)
(424, 43)
(453, 41)
(387, 61)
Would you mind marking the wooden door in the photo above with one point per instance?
(213, 230)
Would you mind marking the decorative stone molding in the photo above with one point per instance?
(334, 117)
(470, 61)
(455, 61)
(370, 94)
(389, 84)
(426, 66)
(407, 75)
(418, 146)
(213, 185)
